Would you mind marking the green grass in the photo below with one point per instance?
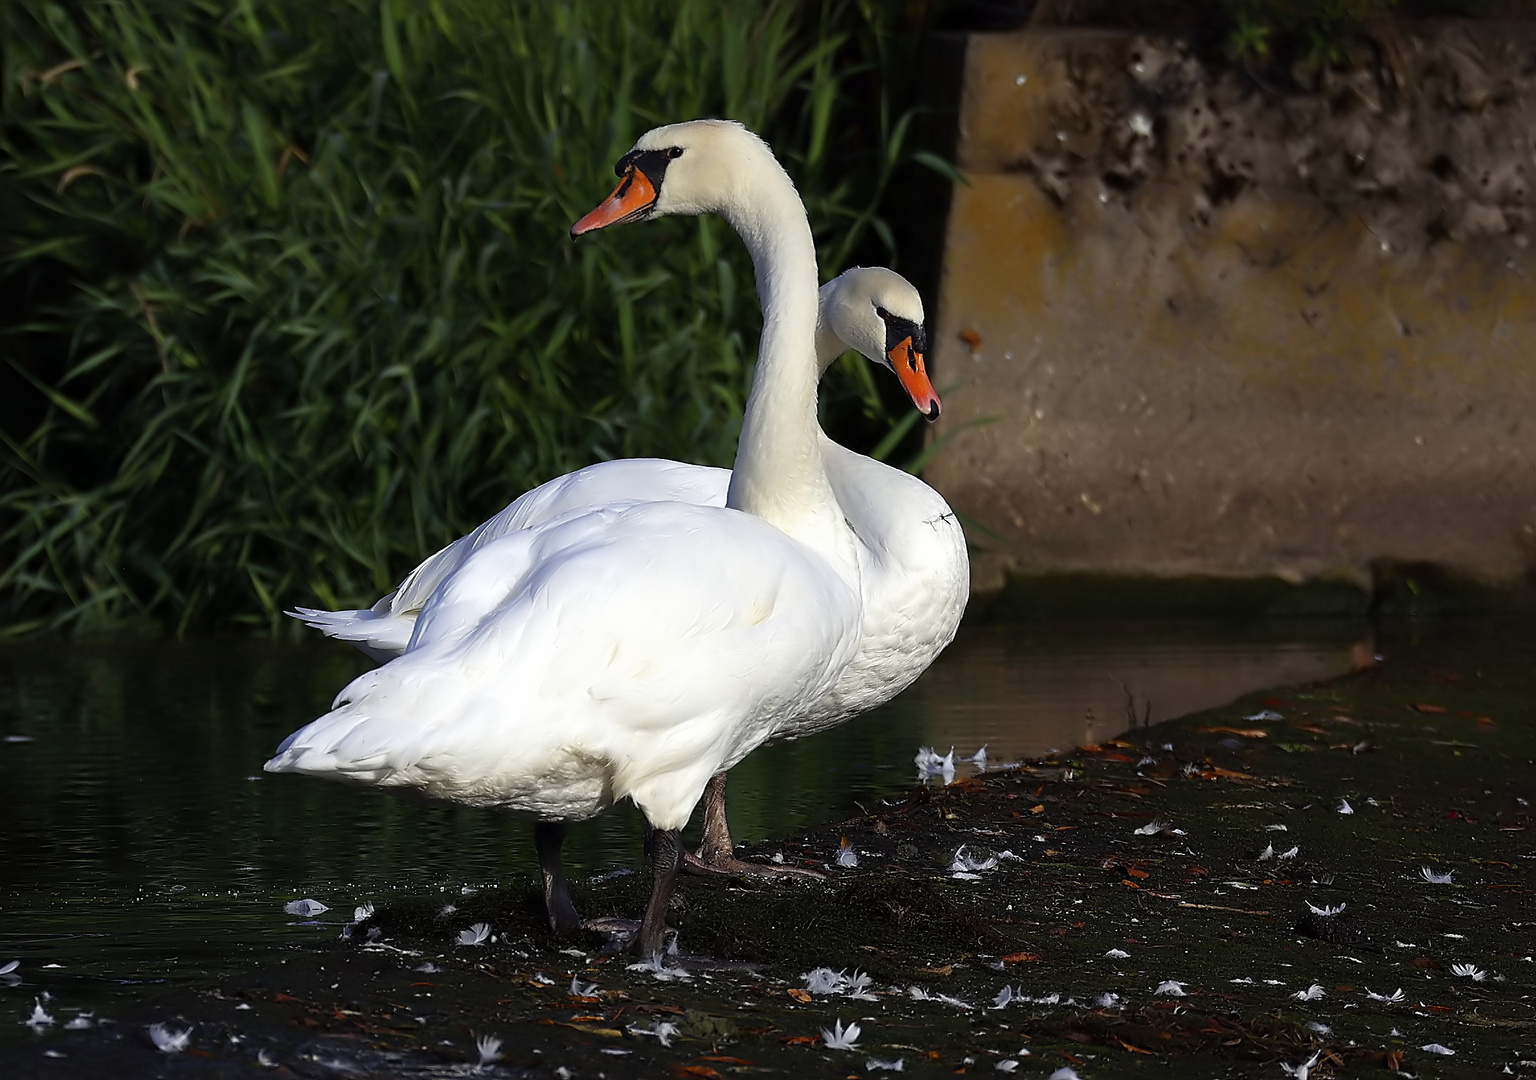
(289, 299)
(1317, 31)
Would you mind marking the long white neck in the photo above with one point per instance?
(779, 475)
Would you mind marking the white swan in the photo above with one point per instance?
(638, 650)
(914, 573)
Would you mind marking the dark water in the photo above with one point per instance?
(141, 845)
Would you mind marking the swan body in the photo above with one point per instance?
(913, 569)
(631, 651)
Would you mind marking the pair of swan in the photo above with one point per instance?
(636, 628)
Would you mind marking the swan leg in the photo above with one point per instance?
(547, 838)
(717, 853)
(665, 850)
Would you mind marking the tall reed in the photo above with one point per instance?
(292, 299)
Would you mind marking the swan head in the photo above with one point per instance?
(878, 313)
(697, 167)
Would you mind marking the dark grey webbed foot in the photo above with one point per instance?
(732, 867)
(717, 854)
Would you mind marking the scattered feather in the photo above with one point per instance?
(1007, 1065)
(656, 965)
(1295, 851)
(266, 1060)
(1344, 807)
(1311, 993)
(305, 908)
(447, 910)
(1118, 954)
(1245, 981)
(489, 1047)
(475, 935)
(1265, 714)
(581, 989)
(1436, 1048)
(1327, 911)
(979, 758)
(428, 968)
(899, 1065)
(1268, 853)
(917, 993)
(1066, 1072)
(362, 913)
(39, 1017)
(1319, 1029)
(1276, 828)
(967, 866)
(167, 1041)
(839, 1037)
(1469, 971)
(1302, 1071)
(931, 764)
(6, 969)
(82, 1022)
(1393, 997)
(664, 1031)
(1171, 988)
(1152, 828)
(846, 856)
(1004, 996)
(1107, 1001)
(1435, 878)
(824, 980)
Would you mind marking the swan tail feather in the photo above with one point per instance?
(381, 634)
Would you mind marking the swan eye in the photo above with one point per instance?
(675, 152)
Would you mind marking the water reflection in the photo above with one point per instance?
(1028, 689)
(141, 843)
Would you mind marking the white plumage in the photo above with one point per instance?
(626, 652)
(585, 646)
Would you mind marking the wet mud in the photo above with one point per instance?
(1339, 873)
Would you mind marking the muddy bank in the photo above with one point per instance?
(1204, 872)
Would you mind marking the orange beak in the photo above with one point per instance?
(633, 197)
(913, 376)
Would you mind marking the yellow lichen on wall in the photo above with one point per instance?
(1165, 364)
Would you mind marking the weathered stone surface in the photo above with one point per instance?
(1193, 324)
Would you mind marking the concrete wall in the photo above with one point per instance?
(1194, 324)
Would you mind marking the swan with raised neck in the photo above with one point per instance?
(718, 166)
(636, 650)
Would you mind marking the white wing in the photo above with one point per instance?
(629, 652)
(384, 630)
